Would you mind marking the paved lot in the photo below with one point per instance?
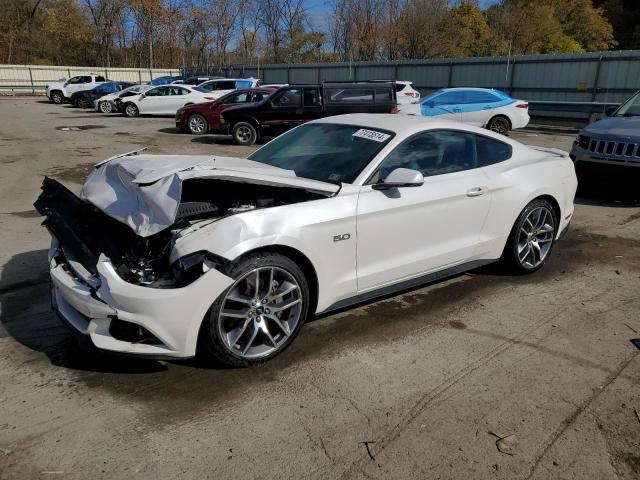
(421, 385)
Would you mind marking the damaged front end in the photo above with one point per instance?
(112, 274)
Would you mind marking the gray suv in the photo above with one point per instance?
(614, 140)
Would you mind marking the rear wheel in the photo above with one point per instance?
(499, 125)
(82, 102)
(130, 110)
(260, 314)
(197, 124)
(532, 238)
(57, 98)
(105, 107)
(244, 134)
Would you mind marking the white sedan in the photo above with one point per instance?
(164, 100)
(105, 104)
(165, 253)
(480, 107)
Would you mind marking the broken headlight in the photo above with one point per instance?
(191, 267)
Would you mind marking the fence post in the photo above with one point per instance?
(33, 90)
(288, 74)
(594, 92)
(450, 74)
(106, 74)
(139, 77)
(69, 72)
(395, 71)
(513, 71)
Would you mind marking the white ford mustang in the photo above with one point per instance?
(162, 254)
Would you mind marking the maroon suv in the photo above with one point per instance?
(201, 118)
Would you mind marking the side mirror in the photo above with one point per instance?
(401, 177)
(610, 111)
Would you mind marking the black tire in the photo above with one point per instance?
(197, 124)
(210, 333)
(82, 102)
(499, 124)
(244, 133)
(511, 256)
(130, 110)
(57, 97)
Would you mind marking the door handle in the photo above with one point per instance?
(476, 191)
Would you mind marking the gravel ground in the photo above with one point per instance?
(480, 376)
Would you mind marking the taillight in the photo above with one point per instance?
(394, 109)
(412, 94)
(522, 105)
(210, 98)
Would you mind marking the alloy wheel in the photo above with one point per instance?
(535, 237)
(197, 124)
(260, 312)
(105, 107)
(499, 125)
(244, 134)
(131, 110)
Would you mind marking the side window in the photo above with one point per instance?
(432, 153)
(350, 94)
(311, 97)
(383, 94)
(155, 92)
(100, 79)
(258, 96)
(475, 96)
(226, 85)
(75, 80)
(288, 98)
(490, 151)
(447, 98)
(86, 79)
(207, 86)
(237, 98)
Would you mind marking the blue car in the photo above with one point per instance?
(166, 80)
(482, 107)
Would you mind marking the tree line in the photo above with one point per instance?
(173, 33)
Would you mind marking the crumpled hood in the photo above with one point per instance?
(144, 191)
(627, 127)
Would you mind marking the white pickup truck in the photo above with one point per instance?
(60, 92)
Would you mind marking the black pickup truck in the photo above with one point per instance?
(294, 105)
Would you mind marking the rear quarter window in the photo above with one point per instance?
(349, 95)
(490, 151)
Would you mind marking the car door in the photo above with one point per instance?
(285, 111)
(478, 107)
(447, 105)
(178, 97)
(152, 100)
(311, 104)
(75, 84)
(406, 232)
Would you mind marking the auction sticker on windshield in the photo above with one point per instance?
(371, 135)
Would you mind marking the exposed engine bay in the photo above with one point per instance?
(84, 232)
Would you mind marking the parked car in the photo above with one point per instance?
(480, 107)
(294, 105)
(222, 86)
(165, 253)
(85, 98)
(113, 102)
(613, 142)
(60, 92)
(201, 118)
(162, 100)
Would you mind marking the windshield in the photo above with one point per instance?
(326, 152)
(630, 108)
(198, 89)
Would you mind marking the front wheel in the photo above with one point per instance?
(244, 134)
(260, 314)
(499, 125)
(130, 110)
(105, 107)
(197, 124)
(57, 98)
(532, 238)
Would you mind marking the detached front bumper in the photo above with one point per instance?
(172, 316)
